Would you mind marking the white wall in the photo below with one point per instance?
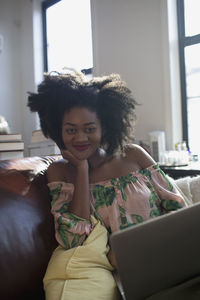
(10, 64)
(130, 37)
(17, 65)
(27, 68)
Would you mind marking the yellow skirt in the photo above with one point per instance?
(82, 273)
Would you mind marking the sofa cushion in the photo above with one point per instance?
(26, 227)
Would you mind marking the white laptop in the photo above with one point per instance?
(159, 254)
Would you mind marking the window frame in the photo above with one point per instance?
(45, 5)
(184, 41)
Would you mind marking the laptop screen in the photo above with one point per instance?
(158, 254)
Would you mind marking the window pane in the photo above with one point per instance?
(192, 64)
(192, 19)
(69, 35)
(194, 124)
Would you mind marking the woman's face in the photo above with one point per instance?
(81, 132)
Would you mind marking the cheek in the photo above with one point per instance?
(65, 138)
(98, 137)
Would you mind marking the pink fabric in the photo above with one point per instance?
(132, 207)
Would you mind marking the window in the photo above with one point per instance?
(189, 49)
(67, 35)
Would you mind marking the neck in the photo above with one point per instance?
(97, 159)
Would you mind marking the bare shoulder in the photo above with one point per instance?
(57, 171)
(135, 153)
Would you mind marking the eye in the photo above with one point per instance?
(90, 129)
(71, 130)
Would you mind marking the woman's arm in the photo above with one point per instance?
(79, 205)
(137, 155)
(169, 196)
(70, 206)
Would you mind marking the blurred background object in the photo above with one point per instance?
(4, 127)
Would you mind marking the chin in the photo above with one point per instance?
(82, 155)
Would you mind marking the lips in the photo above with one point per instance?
(81, 147)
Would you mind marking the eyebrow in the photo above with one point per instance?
(85, 124)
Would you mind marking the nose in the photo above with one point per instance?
(81, 136)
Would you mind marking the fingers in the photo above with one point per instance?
(67, 155)
(72, 159)
(64, 152)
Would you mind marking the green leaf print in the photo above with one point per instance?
(124, 223)
(156, 167)
(155, 213)
(149, 185)
(75, 240)
(137, 219)
(153, 198)
(166, 179)
(55, 194)
(114, 181)
(123, 220)
(75, 218)
(123, 181)
(171, 205)
(64, 227)
(70, 222)
(122, 209)
(97, 217)
(123, 193)
(63, 235)
(104, 195)
(127, 225)
(145, 172)
(169, 183)
(63, 208)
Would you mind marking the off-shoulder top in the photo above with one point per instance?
(118, 203)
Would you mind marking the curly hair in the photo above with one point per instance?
(108, 96)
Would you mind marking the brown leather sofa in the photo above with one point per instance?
(26, 227)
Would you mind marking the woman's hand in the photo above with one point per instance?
(66, 154)
(80, 204)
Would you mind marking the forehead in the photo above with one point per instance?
(80, 115)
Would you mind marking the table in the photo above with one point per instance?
(192, 169)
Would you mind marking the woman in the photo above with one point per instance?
(102, 177)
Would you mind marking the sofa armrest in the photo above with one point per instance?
(26, 227)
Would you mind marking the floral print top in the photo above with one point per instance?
(118, 203)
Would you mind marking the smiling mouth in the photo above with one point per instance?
(81, 147)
